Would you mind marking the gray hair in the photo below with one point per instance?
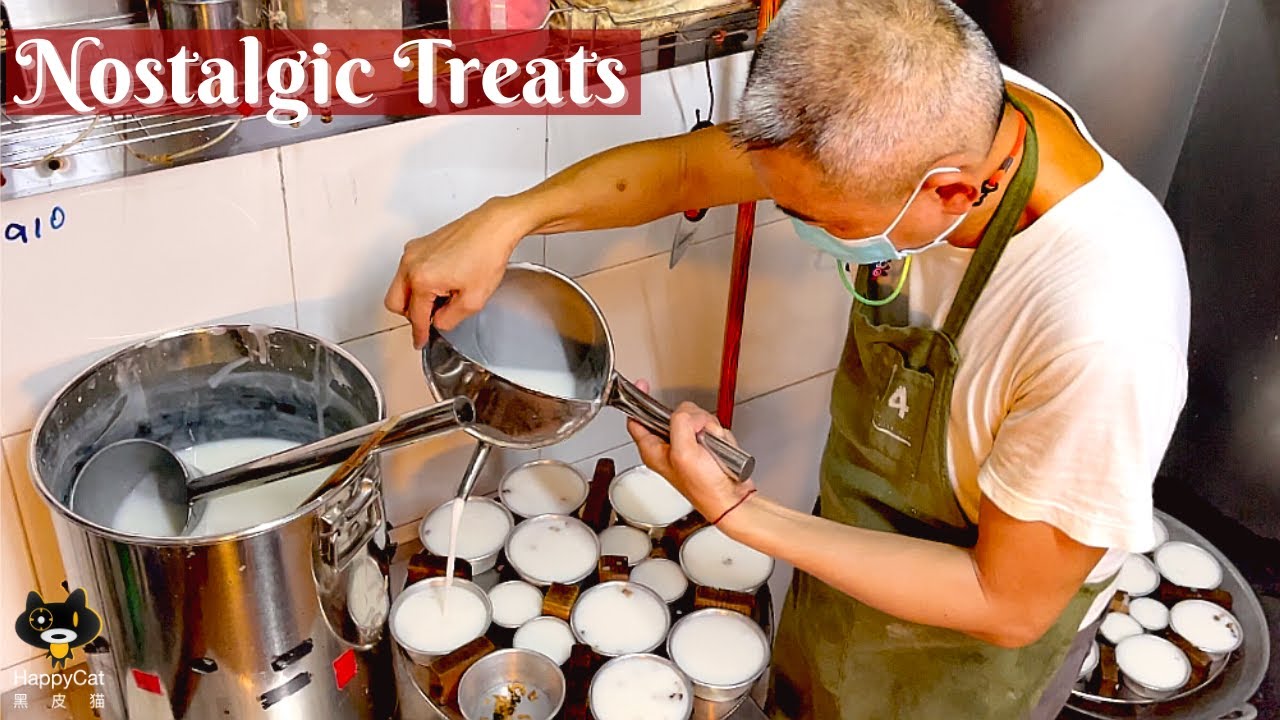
(875, 91)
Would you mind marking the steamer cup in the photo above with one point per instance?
(1217, 655)
(576, 577)
(424, 657)
(569, 508)
(710, 691)
(494, 671)
(584, 600)
(1141, 689)
(521, 639)
(696, 541)
(1138, 576)
(624, 663)
(1166, 557)
(511, 584)
(628, 516)
(480, 564)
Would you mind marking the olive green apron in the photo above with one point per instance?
(885, 468)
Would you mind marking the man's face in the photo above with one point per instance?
(801, 190)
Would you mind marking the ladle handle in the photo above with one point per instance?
(414, 425)
(656, 418)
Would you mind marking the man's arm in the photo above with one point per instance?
(1008, 590)
(629, 185)
(641, 182)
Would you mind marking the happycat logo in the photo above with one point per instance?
(58, 627)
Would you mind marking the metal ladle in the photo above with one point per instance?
(144, 466)
(540, 329)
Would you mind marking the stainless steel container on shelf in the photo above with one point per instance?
(281, 620)
(198, 14)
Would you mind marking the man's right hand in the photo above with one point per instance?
(464, 261)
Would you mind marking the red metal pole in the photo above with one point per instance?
(743, 234)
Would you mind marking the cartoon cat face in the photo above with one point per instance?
(58, 627)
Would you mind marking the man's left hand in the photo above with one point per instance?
(688, 466)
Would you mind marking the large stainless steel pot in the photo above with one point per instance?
(282, 620)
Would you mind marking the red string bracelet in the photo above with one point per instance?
(735, 506)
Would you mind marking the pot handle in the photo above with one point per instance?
(656, 418)
(347, 527)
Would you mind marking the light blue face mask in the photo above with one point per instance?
(877, 248)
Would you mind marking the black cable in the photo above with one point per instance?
(711, 89)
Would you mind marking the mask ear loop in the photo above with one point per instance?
(848, 285)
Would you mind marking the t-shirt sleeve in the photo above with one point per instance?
(1084, 439)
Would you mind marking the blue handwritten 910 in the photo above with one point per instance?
(20, 232)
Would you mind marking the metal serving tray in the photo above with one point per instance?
(1223, 694)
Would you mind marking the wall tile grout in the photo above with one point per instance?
(722, 236)
(288, 238)
(767, 393)
(366, 336)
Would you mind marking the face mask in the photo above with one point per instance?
(877, 248)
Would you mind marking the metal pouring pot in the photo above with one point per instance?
(538, 363)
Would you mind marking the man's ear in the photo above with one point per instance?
(956, 191)
(34, 600)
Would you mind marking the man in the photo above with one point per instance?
(1004, 399)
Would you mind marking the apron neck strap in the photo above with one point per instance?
(1002, 227)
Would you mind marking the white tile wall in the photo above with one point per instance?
(134, 258)
(669, 101)
(795, 316)
(354, 200)
(786, 431)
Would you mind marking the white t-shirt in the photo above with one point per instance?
(1073, 362)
